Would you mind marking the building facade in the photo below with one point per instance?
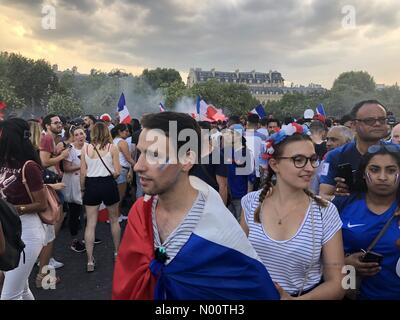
(268, 86)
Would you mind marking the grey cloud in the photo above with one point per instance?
(258, 34)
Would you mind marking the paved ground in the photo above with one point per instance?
(76, 283)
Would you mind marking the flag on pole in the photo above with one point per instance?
(124, 116)
(320, 109)
(259, 110)
(162, 109)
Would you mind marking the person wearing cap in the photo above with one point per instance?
(107, 119)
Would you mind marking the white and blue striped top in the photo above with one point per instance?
(289, 260)
(177, 239)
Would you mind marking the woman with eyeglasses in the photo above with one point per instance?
(296, 234)
(364, 215)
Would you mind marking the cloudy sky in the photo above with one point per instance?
(306, 40)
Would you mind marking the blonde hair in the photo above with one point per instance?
(100, 135)
(34, 129)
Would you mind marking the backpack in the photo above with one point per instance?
(12, 229)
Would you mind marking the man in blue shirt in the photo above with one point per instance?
(369, 121)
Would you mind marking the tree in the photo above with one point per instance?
(232, 98)
(173, 92)
(7, 95)
(350, 88)
(65, 105)
(158, 77)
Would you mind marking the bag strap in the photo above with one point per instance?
(24, 180)
(385, 227)
(95, 149)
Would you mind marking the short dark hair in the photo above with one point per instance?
(344, 119)
(274, 120)
(161, 121)
(263, 121)
(359, 105)
(91, 117)
(234, 119)
(204, 125)
(47, 120)
(253, 118)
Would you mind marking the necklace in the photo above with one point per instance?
(280, 219)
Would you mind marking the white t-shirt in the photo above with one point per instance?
(256, 146)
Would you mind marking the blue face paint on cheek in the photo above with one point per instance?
(164, 165)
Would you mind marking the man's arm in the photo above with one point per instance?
(48, 161)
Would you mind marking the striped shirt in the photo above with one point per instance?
(294, 263)
(177, 239)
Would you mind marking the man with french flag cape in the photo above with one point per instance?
(181, 242)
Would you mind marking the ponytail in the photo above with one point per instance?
(321, 202)
(267, 189)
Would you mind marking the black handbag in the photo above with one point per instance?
(12, 229)
(50, 177)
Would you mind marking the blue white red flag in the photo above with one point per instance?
(217, 262)
(259, 110)
(320, 109)
(162, 109)
(124, 116)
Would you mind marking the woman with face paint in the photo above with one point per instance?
(365, 213)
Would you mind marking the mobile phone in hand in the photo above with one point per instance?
(346, 171)
(371, 256)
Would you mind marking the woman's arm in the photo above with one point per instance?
(124, 149)
(333, 262)
(83, 168)
(39, 203)
(69, 167)
(115, 159)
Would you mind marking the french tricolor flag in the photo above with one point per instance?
(259, 110)
(162, 109)
(124, 116)
(320, 109)
(217, 261)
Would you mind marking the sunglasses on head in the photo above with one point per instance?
(379, 147)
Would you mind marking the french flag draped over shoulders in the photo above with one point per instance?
(259, 110)
(216, 263)
(124, 116)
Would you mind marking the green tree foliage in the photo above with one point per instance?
(7, 95)
(348, 89)
(65, 105)
(160, 77)
(232, 98)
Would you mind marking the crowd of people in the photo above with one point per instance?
(246, 208)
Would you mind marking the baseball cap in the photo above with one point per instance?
(105, 117)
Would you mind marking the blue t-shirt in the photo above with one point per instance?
(347, 153)
(238, 179)
(208, 170)
(360, 227)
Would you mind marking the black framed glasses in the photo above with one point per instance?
(392, 148)
(300, 161)
(372, 121)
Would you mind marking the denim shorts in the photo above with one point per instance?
(123, 177)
